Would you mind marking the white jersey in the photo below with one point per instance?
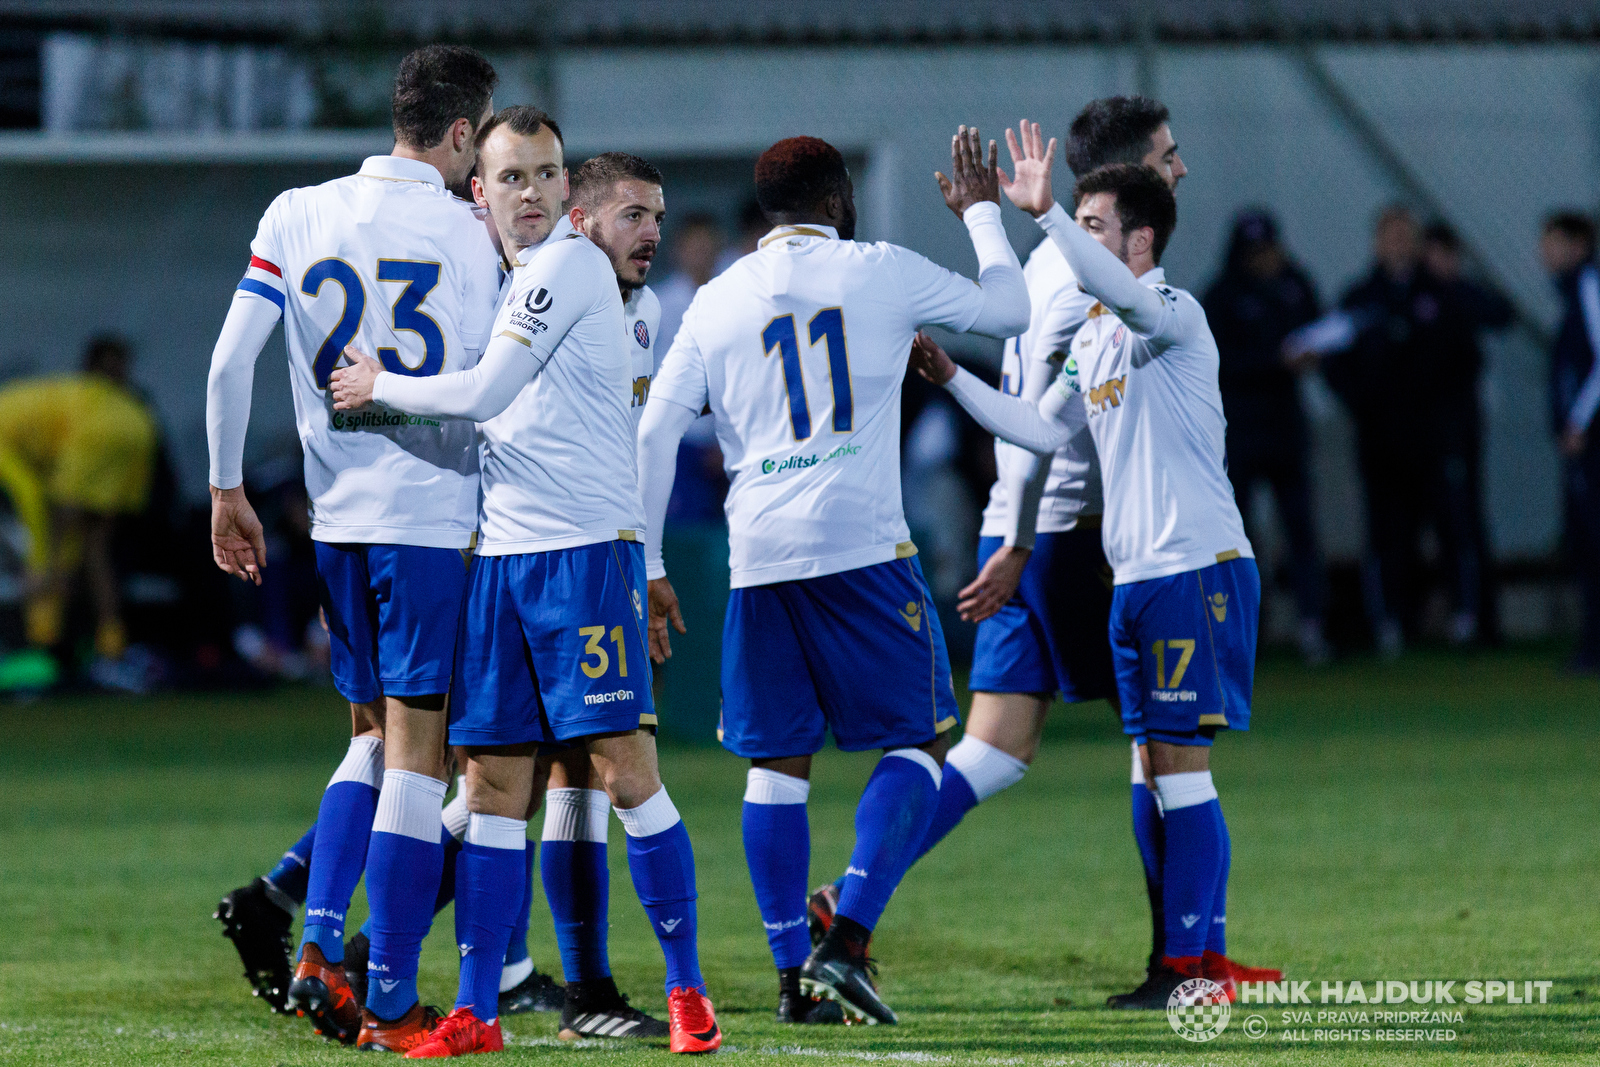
(641, 322)
(1155, 411)
(560, 465)
(1030, 363)
(386, 260)
(800, 349)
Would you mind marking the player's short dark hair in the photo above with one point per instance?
(1572, 224)
(1114, 129)
(799, 173)
(593, 182)
(106, 352)
(524, 119)
(436, 85)
(1143, 199)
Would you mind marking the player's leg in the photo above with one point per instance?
(523, 987)
(257, 918)
(903, 703)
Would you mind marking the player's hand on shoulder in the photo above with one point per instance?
(352, 386)
(994, 585)
(931, 361)
(238, 544)
(971, 180)
(1031, 161)
(663, 608)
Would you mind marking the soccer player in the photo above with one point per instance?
(389, 257)
(1042, 601)
(1143, 378)
(799, 349)
(555, 618)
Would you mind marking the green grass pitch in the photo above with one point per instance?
(1433, 819)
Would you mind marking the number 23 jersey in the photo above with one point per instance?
(386, 260)
(800, 350)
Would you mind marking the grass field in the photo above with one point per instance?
(1433, 819)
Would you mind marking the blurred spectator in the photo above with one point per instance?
(75, 452)
(1380, 378)
(1451, 312)
(1260, 297)
(696, 243)
(753, 226)
(1568, 248)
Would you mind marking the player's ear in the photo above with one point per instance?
(477, 192)
(577, 217)
(566, 186)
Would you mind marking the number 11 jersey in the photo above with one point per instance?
(386, 260)
(800, 350)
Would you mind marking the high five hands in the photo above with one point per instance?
(974, 181)
(1031, 159)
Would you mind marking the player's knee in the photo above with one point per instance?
(987, 769)
(628, 787)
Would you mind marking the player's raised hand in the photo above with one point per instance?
(237, 543)
(352, 386)
(995, 584)
(931, 361)
(663, 607)
(1031, 161)
(971, 181)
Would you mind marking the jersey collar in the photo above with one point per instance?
(401, 169)
(778, 233)
(562, 228)
(1153, 276)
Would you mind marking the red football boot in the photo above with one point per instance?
(400, 1035)
(460, 1033)
(1215, 968)
(320, 991)
(1241, 973)
(693, 1021)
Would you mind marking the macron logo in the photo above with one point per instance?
(607, 698)
(670, 925)
(464, 950)
(1189, 920)
(387, 985)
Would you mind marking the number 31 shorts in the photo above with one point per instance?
(552, 647)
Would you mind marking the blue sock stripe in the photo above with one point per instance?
(1190, 875)
(401, 875)
(338, 858)
(577, 887)
(892, 820)
(777, 847)
(662, 866)
(488, 890)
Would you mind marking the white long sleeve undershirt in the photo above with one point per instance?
(1102, 275)
(478, 394)
(661, 429)
(1042, 428)
(250, 322)
(1006, 306)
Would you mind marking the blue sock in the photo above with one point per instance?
(661, 861)
(777, 846)
(293, 872)
(488, 889)
(892, 820)
(447, 878)
(403, 867)
(517, 950)
(1150, 835)
(1192, 820)
(1217, 937)
(339, 854)
(577, 880)
(956, 798)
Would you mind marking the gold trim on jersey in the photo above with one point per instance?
(515, 337)
(647, 720)
(1213, 719)
(1231, 554)
(790, 231)
(905, 550)
(627, 535)
(1098, 310)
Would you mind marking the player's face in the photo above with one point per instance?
(459, 180)
(1097, 214)
(522, 180)
(627, 227)
(1163, 156)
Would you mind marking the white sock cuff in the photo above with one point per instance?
(1138, 768)
(363, 762)
(512, 974)
(987, 769)
(1180, 791)
(922, 759)
(409, 804)
(576, 815)
(772, 787)
(497, 831)
(455, 814)
(651, 817)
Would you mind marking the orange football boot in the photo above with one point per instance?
(321, 992)
(693, 1021)
(460, 1033)
(400, 1035)
(1240, 972)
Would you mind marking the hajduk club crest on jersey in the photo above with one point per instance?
(641, 333)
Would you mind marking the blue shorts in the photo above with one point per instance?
(860, 653)
(1185, 649)
(1051, 635)
(553, 647)
(392, 613)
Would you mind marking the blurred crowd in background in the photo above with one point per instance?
(106, 579)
